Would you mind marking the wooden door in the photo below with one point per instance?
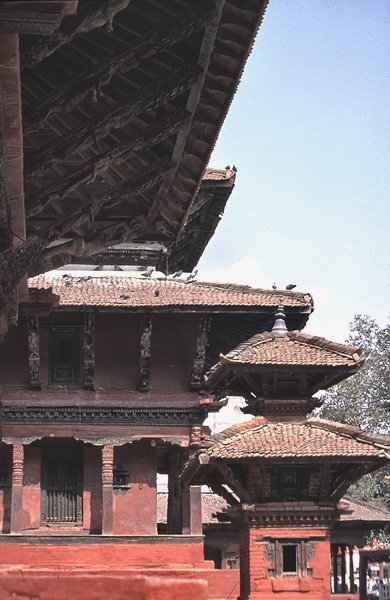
(62, 485)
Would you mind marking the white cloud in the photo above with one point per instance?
(247, 271)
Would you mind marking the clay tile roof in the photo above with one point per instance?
(363, 511)
(211, 174)
(128, 290)
(314, 438)
(296, 348)
(211, 504)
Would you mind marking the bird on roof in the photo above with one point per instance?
(234, 168)
(274, 286)
(148, 272)
(177, 274)
(117, 268)
(227, 167)
(85, 278)
(99, 267)
(156, 292)
(290, 287)
(124, 296)
(192, 276)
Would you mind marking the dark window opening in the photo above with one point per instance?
(65, 355)
(289, 558)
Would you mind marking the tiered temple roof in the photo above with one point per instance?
(312, 439)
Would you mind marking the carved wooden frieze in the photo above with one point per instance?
(33, 352)
(103, 415)
(196, 380)
(145, 354)
(89, 351)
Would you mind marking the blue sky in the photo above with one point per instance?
(309, 133)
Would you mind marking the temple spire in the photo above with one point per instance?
(280, 329)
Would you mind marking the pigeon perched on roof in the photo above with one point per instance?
(290, 287)
(274, 286)
(148, 272)
(99, 267)
(192, 276)
(177, 274)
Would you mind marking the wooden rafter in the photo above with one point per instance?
(93, 81)
(97, 128)
(154, 134)
(204, 60)
(130, 189)
(98, 14)
(231, 480)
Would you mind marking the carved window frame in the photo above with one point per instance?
(304, 552)
(74, 332)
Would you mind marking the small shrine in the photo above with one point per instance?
(283, 475)
(283, 483)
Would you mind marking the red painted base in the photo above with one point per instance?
(33, 586)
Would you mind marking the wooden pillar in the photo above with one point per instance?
(17, 488)
(174, 493)
(351, 570)
(343, 568)
(192, 512)
(107, 483)
(334, 550)
(33, 352)
(363, 577)
(89, 351)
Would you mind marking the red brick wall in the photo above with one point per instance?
(173, 348)
(92, 495)
(31, 488)
(255, 581)
(135, 512)
(99, 556)
(89, 587)
(117, 351)
(14, 369)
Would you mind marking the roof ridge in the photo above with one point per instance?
(324, 343)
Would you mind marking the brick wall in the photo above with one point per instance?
(258, 584)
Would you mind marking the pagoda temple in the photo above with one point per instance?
(113, 354)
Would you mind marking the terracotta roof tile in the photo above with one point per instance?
(296, 348)
(363, 511)
(314, 438)
(211, 174)
(127, 290)
(211, 504)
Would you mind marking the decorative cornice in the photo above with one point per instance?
(102, 416)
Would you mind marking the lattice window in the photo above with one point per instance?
(64, 355)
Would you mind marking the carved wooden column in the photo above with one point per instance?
(107, 483)
(191, 496)
(146, 353)
(17, 488)
(174, 492)
(196, 379)
(89, 351)
(34, 361)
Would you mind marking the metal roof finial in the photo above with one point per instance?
(280, 329)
